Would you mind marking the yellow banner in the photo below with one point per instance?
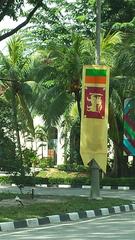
(94, 119)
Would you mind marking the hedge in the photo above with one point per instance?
(119, 182)
(74, 181)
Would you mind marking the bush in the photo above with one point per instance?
(30, 159)
(118, 182)
(74, 181)
(8, 161)
(5, 180)
(23, 180)
(72, 168)
(31, 181)
(46, 162)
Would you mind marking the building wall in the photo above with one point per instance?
(42, 147)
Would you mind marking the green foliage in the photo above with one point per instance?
(126, 27)
(8, 195)
(46, 162)
(58, 68)
(6, 117)
(7, 147)
(30, 159)
(11, 9)
(54, 205)
(75, 143)
(7, 154)
(5, 180)
(15, 65)
(21, 180)
(74, 181)
(14, 9)
(125, 63)
(63, 18)
(119, 182)
(72, 168)
(117, 11)
(31, 181)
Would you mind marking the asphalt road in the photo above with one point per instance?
(118, 227)
(125, 194)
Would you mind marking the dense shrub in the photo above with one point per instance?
(118, 182)
(74, 181)
(46, 162)
(30, 159)
(5, 180)
(8, 161)
(72, 168)
(26, 181)
(69, 180)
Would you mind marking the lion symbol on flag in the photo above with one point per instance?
(95, 100)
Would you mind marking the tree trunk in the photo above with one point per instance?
(120, 165)
(16, 127)
(42, 150)
(132, 171)
(114, 172)
(78, 99)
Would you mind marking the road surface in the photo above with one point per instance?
(124, 194)
(118, 227)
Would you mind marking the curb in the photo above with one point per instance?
(74, 216)
(74, 186)
(84, 186)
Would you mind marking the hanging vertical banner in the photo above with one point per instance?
(94, 119)
(129, 127)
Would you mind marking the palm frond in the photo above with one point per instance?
(26, 112)
(55, 106)
(15, 49)
(111, 40)
(108, 47)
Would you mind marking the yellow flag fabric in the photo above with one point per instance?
(94, 118)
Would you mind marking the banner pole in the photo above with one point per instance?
(95, 178)
(98, 32)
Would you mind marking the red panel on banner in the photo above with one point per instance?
(94, 104)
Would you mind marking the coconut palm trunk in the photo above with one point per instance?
(15, 123)
(78, 98)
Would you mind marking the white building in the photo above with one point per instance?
(52, 148)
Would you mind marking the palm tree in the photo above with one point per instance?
(15, 66)
(122, 86)
(61, 67)
(61, 64)
(40, 134)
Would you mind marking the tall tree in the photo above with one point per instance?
(62, 83)
(59, 65)
(14, 72)
(117, 11)
(122, 86)
(7, 154)
(13, 9)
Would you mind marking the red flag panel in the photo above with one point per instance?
(94, 102)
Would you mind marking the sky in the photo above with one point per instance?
(8, 23)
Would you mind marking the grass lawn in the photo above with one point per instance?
(60, 174)
(50, 205)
